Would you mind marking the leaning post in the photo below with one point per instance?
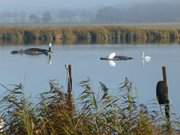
(69, 79)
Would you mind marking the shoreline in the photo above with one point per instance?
(90, 34)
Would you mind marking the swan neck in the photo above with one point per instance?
(50, 45)
(49, 50)
(142, 54)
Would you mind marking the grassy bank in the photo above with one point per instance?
(94, 34)
(97, 114)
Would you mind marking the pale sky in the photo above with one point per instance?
(10, 5)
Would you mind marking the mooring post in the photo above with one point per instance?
(164, 74)
(69, 74)
(69, 90)
(167, 107)
(166, 91)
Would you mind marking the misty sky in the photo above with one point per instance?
(18, 5)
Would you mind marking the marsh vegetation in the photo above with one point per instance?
(93, 113)
(99, 34)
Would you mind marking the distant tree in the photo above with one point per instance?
(141, 13)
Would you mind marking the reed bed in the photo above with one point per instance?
(93, 113)
(99, 34)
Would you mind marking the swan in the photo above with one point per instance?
(34, 51)
(146, 58)
(112, 56)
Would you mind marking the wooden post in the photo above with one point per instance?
(162, 89)
(164, 74)
(69, 89)
(167, 107)
(165, 91)
(70, 105)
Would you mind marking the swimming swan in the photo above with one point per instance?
(146, 58)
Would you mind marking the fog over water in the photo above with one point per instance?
(89, 12)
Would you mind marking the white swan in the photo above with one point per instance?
(111, 61)
(112, 55)
(146, 58)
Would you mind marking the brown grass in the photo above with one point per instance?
(100, 114)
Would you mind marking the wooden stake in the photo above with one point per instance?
(167, 107)
(69, 89)
(70, 105)
(164, 74)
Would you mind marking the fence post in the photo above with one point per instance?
(165, 93)
(70, 104)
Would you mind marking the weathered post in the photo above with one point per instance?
(69, 89)
(162, 89)
(162, 97)
(166, 92)
(164, 74)
(69, 79)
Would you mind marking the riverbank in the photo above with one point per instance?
(92, 34)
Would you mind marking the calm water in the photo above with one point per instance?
(35, 72)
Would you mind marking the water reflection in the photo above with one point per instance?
(50, 59)
(34, 51)
(112, 63)
(113, 58)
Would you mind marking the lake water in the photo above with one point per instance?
(34, 72)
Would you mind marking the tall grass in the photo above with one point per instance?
(97, 113)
